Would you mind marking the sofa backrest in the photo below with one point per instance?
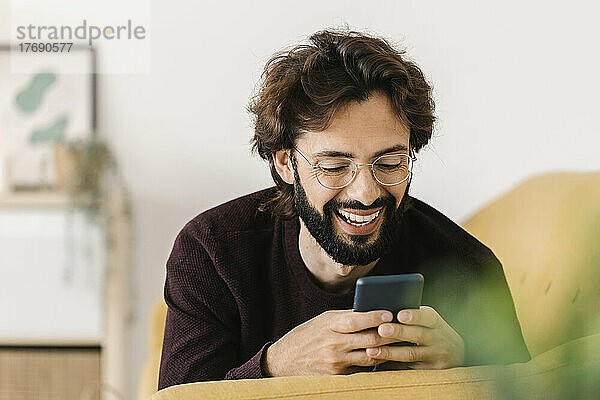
(546, 233)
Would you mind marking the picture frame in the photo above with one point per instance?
(41, 111)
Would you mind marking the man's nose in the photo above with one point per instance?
(364, 187)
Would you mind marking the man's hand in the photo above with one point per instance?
(331, 343)
(439, 346)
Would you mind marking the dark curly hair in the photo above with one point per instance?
(302, 88)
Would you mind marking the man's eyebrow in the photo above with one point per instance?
(332, 153)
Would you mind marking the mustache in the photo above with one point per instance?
(357, 205)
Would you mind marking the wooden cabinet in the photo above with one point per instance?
(63, 297)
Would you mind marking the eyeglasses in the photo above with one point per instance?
(337, 173)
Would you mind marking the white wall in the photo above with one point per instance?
(515, 83)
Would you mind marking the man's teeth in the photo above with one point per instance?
(358, 219)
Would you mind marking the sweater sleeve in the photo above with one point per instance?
(253, 368)
(201, 340)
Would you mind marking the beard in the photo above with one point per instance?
(358, 249)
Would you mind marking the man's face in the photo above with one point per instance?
(361, 130)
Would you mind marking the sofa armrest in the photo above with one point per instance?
(537, 378)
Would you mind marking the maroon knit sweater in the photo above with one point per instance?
(236, 283)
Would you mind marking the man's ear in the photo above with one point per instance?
(283, 165)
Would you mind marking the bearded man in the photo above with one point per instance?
(263, 285)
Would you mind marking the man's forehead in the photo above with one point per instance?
(325, 144)
(399, 147)
(367, 117)
(360, 130)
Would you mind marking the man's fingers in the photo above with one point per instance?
(348, 322)
(400, 353)
(415, 334)
(360, 358)
(367, 338)
(425, 316)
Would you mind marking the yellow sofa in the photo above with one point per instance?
(546, 233)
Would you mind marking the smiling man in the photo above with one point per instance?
(263, 285)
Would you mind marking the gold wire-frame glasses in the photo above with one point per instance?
(339, 172)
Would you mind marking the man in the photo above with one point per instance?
(263, 285)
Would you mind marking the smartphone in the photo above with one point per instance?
(389, 292)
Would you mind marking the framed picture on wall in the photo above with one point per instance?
(41, 110)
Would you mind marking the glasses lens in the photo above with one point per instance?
(334, 173)
(392, 169)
